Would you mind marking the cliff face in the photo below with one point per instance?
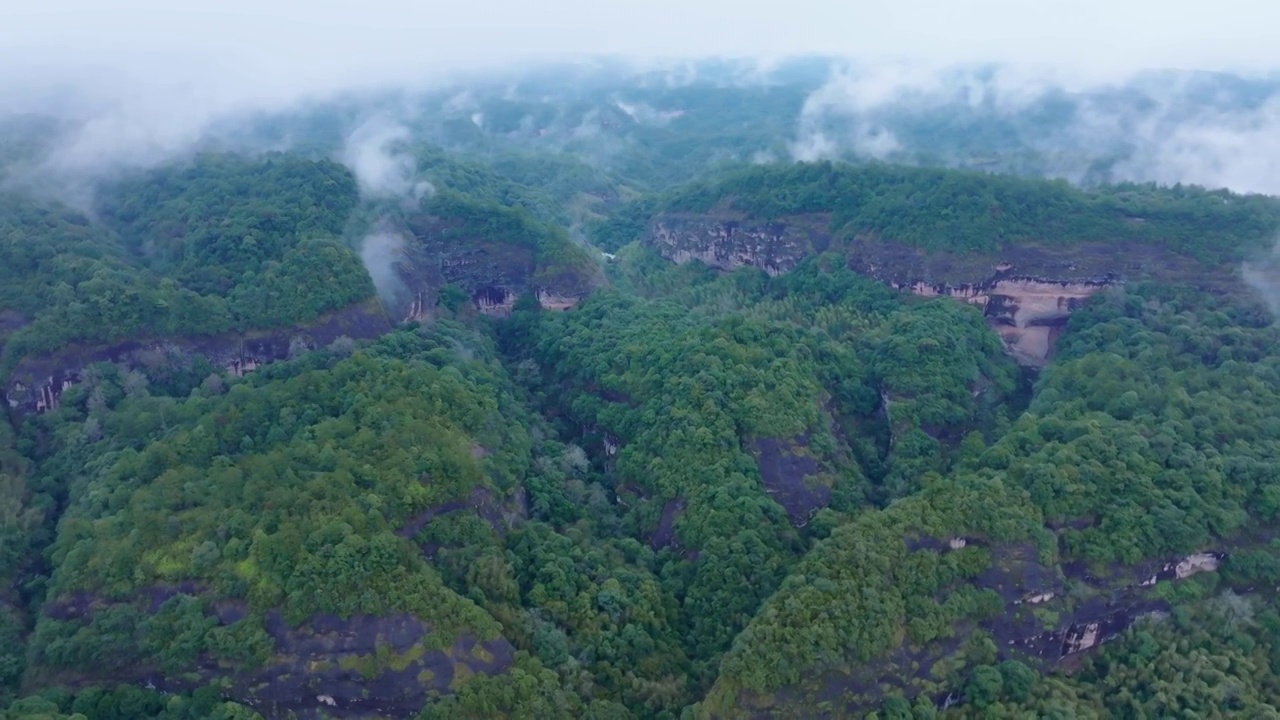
(1027, 312)
(728, 244)
(37, 384)
(357, 667)
(793, 477)
(493, 274)
(1025, 292)
(1041, 624)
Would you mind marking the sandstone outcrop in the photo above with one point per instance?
(38, 382)
(493, 274)
(1027, 312)
(1042, 624)
(1026, 293)
(728, 244)
(327, 667)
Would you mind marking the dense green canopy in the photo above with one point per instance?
(694, 494)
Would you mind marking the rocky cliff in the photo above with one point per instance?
(1026, 292)
(37, 383)
(1050, 615)
(493, 272)
(327, 667)
(732, 242)
(1027, 312)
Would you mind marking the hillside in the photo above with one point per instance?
(193, 252)
(1027, 252)
(811, 440)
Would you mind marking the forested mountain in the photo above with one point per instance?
(656, 125)
(477, 421)
(225, 244)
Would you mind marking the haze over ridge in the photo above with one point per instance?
(144, 82)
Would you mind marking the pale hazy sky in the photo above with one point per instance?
(146, 77)
(272, 44)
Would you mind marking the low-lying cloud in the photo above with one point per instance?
(377, 153)
(381, 253)
(143, 84)
(1217, 148)
(1167, 127)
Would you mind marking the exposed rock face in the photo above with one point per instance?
(358, 667)
(1026, 292)
(555, 301)
(1030, 288)
(792, 477)
(1101, 619)
(1118, 603)
(731, 243)
(500, 513)
(1186, 567)
(500, 301)
(330, 665)
(495, 301)
(1027, 312)
(1040, 625)
(494, 274)
(665, 534)
(38, 382)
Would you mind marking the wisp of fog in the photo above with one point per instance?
(385, 171)
(375, 152)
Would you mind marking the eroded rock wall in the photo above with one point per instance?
(493, 274)
(1041, 624)
(1026, 293)
(358, 667)
(1027, 312)
(792, 476)
(38, 382)
(730, 243)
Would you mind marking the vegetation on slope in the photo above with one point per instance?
(1146, 439)
(1216, 658)
(21, 532)
(685, 391)
(958, 211)
(466, 222)
(637, 543)
(286, 492)
(223, 244)
(861, 592)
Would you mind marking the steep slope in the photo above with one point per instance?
(799, 478)
(1027, 252)
(1141, 468)
(738, 427)
(225, 260)
(491, 253)
(23, 527)
(881, 601)
(263, 538)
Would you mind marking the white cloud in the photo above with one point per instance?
(1238, 150)
(1165, 127)
(375, 153)
(381, 253)
(146, 78)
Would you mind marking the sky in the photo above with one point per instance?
(145, 78)
(263, 49)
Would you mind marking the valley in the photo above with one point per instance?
(513, 429)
